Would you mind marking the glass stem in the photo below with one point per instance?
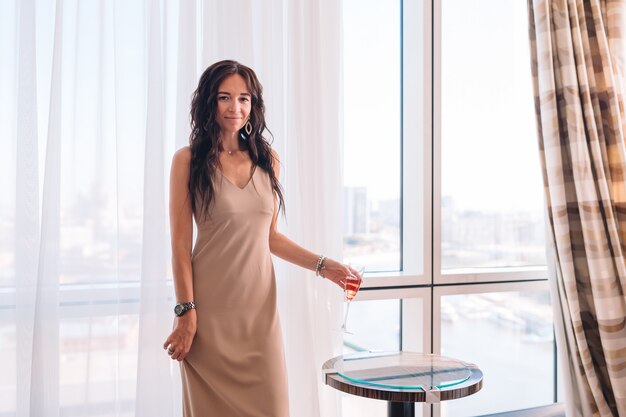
(345, 317)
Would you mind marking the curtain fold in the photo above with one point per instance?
(102, 101)
(26, 210)
(312, 160)
(44, 399)
(155, 306)
(577, 66)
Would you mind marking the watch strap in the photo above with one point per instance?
(182, 308)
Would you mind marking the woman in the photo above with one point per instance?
(230, 346)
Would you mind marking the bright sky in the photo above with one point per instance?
(489, 147)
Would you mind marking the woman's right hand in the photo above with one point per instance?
(337, 272)
(179, 341)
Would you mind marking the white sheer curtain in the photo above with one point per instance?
(94, 99)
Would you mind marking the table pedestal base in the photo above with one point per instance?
(400, 409)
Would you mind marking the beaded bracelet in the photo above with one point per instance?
(318, 267)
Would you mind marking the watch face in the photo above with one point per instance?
(178, 309)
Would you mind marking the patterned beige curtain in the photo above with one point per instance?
(577, 64)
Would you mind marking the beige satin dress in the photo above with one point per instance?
(236, 366)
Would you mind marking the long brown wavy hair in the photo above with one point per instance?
(205, 141)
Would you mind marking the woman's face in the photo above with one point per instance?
(234, 103)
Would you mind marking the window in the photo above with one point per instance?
(509, 333)
(372, 134)
(7, 130)
(491, 187)
(107, 360)
(470, 220)
(8, 370)
(100, 223)
(374, 325)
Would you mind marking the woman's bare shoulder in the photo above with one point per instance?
(182, 156)
(275, 162)
(274, 155)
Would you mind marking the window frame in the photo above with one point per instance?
(421, 275)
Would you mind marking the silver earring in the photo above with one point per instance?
(248, 128)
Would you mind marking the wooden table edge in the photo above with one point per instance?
(463, 389)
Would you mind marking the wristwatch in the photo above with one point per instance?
(182, 308)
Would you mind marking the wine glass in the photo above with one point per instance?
(352, 283)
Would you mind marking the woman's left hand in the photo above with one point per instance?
(337, 272)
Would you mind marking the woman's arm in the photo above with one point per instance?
(285, 248)
(181, 230)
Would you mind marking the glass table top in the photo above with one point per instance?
(408, 370)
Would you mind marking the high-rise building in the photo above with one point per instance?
(356, 211)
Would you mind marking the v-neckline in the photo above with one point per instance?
(233, 183)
